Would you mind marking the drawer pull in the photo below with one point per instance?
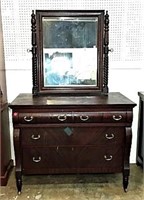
(108, 158)
(35, 137)
(109, 137)
(84, 118)
(36, 160)
(28, 119)
(62, 118)
(117, 118)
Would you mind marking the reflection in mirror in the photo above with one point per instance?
(70, 51)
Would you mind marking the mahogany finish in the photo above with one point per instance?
(72, 134)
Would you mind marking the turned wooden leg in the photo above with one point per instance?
(126, 169)
(18, 177)
(125, 182)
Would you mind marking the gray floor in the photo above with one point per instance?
(77, 187)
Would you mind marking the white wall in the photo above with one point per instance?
(126, 65)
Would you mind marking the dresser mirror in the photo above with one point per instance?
(70, 52)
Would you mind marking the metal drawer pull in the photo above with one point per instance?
(117, 118)
(35, 137)
(84, 118)
(28, 119)
(36, 160)
(62, 118)
(109, 137)
(108, 158)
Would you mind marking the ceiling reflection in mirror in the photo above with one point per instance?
(70, 51)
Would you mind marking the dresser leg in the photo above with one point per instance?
(125, 182)
(126, 170)
(18, 182)
(18, 170)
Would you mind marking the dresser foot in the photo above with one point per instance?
(125, 183)
(19, 183)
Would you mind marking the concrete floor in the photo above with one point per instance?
(77, 187)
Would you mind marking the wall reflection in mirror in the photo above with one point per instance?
(70, 51)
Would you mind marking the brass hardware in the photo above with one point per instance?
(84, 118)
(109, 136)
(28, 118)
(29, 50)
(35, 137)
(37, 160)
(111, 50)
(62, 118)
(117, 118)
(108, 158)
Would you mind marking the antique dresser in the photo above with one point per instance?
(71, 123)
(72, 135)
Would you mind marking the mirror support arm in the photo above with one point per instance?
(34, 54)
(106, 51)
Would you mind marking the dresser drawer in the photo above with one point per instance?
(87, 117)
(71, 117)
(72, 135)
(41, 118)
(57, 117)
(72, 159)
(115, 117)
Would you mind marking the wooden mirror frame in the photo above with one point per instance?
(102, 53)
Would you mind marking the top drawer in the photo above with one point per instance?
(52, 117)
(56, 117)
(72, 117)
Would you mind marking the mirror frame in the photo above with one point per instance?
(102, 53)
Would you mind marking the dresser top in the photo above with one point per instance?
(112, 99)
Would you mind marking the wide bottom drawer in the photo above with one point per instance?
(72, 159)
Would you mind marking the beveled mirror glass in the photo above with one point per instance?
(68, 52)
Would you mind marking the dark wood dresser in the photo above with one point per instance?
(140, 133)
(72, 134)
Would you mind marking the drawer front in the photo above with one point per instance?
(72, 117)
(115, 117)
(57, 117)
(87, 117)
(72, 136)
(73, 159)
(33, 118)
